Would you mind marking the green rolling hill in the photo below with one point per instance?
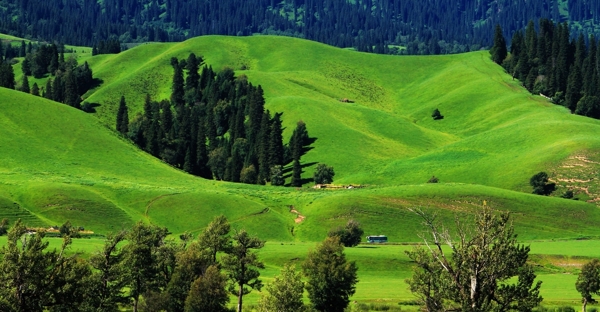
(57, 163)
(494, 132)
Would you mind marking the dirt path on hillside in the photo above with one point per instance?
(150, 203)
(299, 217)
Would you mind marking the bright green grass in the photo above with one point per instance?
(61, 164)
(494, 133)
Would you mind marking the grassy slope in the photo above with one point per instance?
(58, 163)
(494, 132)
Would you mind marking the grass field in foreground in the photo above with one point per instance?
(384, 268)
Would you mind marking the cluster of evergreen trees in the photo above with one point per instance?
(68, 81)
(110, 46)
(215, 126)
(551, 63)
(423, 27)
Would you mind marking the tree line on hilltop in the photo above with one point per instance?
(422, 27)
(551, 63)
(215, 125)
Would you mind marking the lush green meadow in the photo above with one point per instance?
(383, 269)
(58, 163)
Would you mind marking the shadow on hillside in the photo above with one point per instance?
(96, 82)
(89, 107)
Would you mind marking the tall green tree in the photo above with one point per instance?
(589, 106)
(499, 50)
(48, 94)
(241, 264)
(35, 89)
(123, 117)
(285, 293)
(35, 279)
(25, 84)
(486, 270)
(296, 174)
(140, 260)
(191, 263)
(7, 76)
(588, 282)
(574, 87)
(177, 88)
(215, 237)
(331, 278)
(349, 235)
(108, 280)
(208, 293)
(323, 174)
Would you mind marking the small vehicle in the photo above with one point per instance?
(377, 239)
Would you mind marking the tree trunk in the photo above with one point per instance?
(240, 295)
(584, 305)
(135, 304)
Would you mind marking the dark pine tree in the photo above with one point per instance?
(25, 84)
(7, 76)
(123, 117)
(499, 51)
(48, 90)
(177, 88)
(35, 89)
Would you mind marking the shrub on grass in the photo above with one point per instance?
(350, 235)
(539, 182)
(436, 115)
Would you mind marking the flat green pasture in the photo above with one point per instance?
(383, 269)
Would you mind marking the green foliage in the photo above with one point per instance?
(215, 237)
(7, 76)
(122, 117)
(568, 194)
(208, 293)
(539, 182)
(107, 281)
(141, 260)
(285, 293)
(331, 278)
(588, 282)
(323, 174)
(277, 175)
(241, 264)
(478, 273)
(436, 115)
(498, 50)
(3, 226)
(588, 106)
(350, 235)
(34, 279)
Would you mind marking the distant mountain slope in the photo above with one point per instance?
(423, 27)
(494, 132)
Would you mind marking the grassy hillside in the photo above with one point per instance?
(494, 133)
(58, 164)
